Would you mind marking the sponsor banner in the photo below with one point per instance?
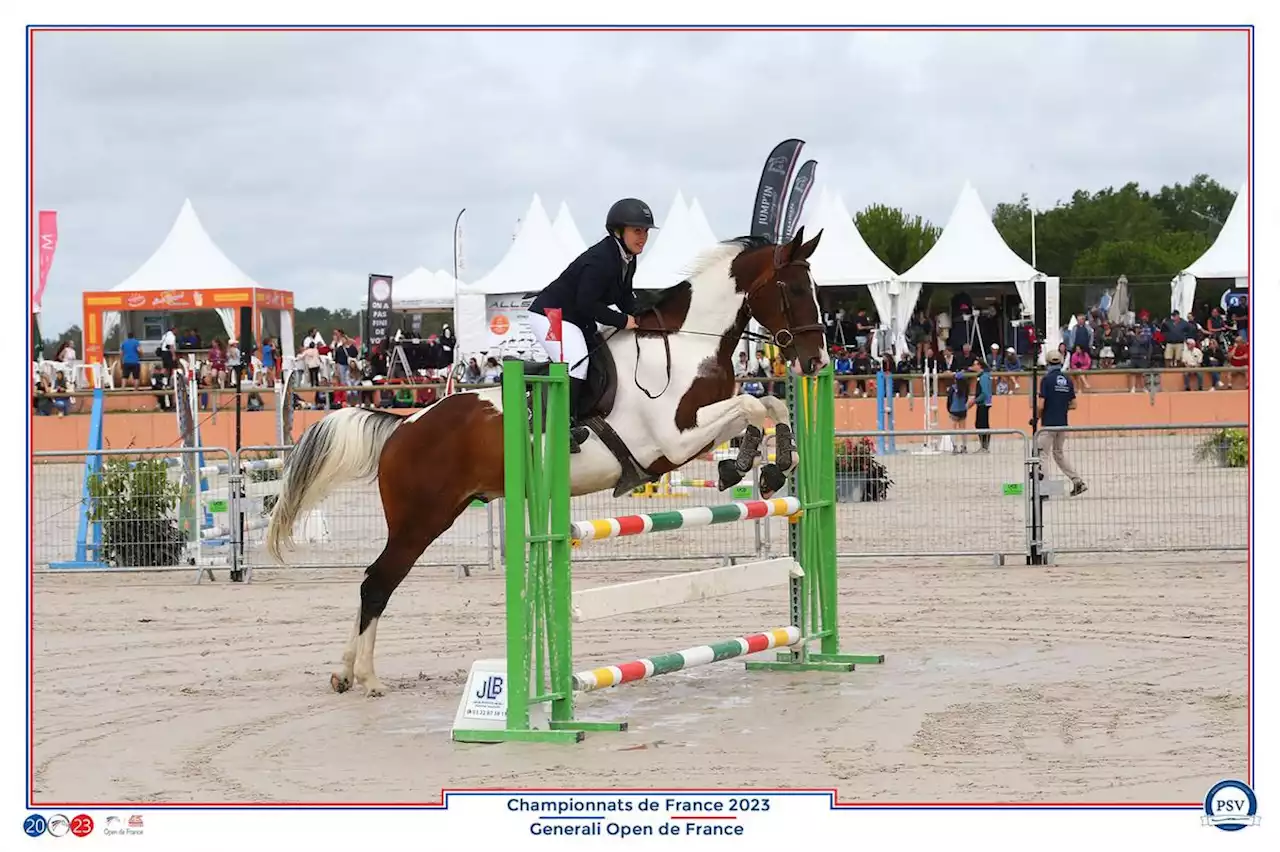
(766, 215)
(48, 237)
(796, 198)
(379, 313)
(507, 318)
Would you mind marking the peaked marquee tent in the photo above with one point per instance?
(188, 272)
(1228, 257)
(682, 237)
(971, 251)
(566, 231)
(492, 312)
(843, 258)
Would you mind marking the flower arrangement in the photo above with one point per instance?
(856, 461)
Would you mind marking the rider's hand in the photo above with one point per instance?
(631, 322)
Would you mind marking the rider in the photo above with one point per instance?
(594, 289)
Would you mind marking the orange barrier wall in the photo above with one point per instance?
(124, 430)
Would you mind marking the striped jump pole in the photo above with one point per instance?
(702, 655)
(677, 482)
(678, 519)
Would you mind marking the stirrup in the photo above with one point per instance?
(577, 437)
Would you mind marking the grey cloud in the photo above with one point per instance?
(316, 158)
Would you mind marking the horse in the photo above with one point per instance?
(682, 402)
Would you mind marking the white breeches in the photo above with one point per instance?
(575, 344)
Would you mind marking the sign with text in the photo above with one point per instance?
(507, 318)
(379, 302)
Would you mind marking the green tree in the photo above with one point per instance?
(1204, 196)
(895, 237)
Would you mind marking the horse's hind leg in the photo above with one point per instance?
(405, 542)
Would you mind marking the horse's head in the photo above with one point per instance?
(782, 297)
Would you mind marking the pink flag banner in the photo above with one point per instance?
(48, 243)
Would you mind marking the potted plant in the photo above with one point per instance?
(1229, 447)
(859, 477)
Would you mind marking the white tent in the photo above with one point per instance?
(663, 256)
(188, 258)
(683, 237)
(1228, 257)
(535, 258)
(421, 290)
(566, 231)
(971, 251)
(843, 258)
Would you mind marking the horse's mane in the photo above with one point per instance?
(722, 251)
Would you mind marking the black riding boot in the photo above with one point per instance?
(577, 433)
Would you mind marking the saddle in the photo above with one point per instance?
(595, 405)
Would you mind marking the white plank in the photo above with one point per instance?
(657, 592)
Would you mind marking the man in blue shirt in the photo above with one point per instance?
(1058, 396)
(131, 361)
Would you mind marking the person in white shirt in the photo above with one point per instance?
(169, 349)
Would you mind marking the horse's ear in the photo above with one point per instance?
(785, 253)
(806, 251)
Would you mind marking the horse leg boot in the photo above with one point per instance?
(773, 475)
(732, 470)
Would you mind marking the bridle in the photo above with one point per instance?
(784, 338)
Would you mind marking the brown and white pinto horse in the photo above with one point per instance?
(682, 402)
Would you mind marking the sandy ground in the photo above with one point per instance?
(1103, 679)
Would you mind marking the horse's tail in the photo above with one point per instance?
(345, 445)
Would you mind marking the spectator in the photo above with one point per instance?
(843, 366)
(1081, 362)
(1215, 324)
(310, 355)
(492, 372)
(1141, 348)
(1058, 396)
(1011, 364)
(169, 350)
(1192, 358)
(1213, 357)
(268, 359)
(862, 366)
(313, 338)
(160, 384)
(1176, 332)
(472, 375)
(130, 361)
(958, 409)
(862, 328)
(920, 334)
(1238, 356)
(982, 401)
(218, 363)
(235, 365)
(906, 366)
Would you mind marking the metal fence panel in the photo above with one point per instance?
(137, 509)
(348, 529)
(1150, 488)
(932, 493)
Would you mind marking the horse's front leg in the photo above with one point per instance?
(715, 423)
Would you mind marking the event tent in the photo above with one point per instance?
(420, 291)
(1228, 257)
(188, 272)
(683, 236)
(843, 258)
(566, 231)
(971, 251)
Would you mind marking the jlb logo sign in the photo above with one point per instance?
(487, 695)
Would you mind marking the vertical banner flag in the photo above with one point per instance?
(459, 262)
(379, 303)
(555, 319)
(48, 243)
(766, 216)
(796, 198)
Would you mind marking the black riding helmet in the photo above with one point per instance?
(629, 212)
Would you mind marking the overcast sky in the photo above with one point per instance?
(316, 158)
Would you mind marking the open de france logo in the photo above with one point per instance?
(1230, 806)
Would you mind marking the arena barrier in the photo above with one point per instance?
(529, 695)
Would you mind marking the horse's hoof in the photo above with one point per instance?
(339, 684)
(729, 475)
(772, 480)
(376, 690)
